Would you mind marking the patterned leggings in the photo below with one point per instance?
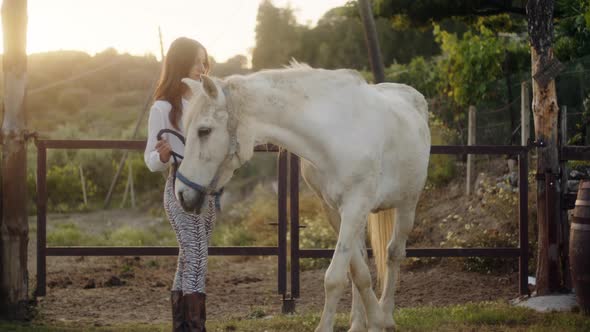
(193, 233)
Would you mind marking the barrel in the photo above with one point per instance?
(579, 249)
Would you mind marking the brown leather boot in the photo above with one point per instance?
(194, 311)
(178, 323)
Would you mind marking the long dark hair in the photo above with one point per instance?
(177, 64)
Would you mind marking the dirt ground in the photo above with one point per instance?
(103, 291)
(112, 290)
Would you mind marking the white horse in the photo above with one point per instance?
(364, 150)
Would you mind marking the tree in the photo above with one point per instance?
(572, 33)
(545, 110)
(423, 11)
(238, 64)
(277, 36)
(14, 230)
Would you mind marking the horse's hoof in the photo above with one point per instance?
(375, 330)
(357, 329)
(390, 325)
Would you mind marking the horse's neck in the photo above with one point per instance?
(280, 119)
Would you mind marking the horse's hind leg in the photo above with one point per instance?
(396, 252)
(353, 217)
(358, 318)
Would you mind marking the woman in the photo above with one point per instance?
(185, 58)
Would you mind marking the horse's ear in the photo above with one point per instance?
(195, 86)
(209, 87)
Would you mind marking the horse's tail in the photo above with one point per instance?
(380, 230)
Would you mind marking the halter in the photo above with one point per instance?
(233, 151)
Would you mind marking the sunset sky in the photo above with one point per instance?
(225, 27)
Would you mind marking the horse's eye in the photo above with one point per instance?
(204, 132)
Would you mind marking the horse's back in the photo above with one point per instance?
(408, 93)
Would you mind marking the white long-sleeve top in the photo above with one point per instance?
(159, 119)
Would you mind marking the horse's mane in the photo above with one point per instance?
(302, 71)
(294, 64)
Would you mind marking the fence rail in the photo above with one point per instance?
(288, 184)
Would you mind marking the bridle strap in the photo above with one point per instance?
(234, 145)
(199, 188)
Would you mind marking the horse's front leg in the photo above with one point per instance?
(352, 221)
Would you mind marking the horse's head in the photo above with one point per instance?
(216, 145)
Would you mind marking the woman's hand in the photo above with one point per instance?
(164, 149)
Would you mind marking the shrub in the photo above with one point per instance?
(73, 99)
(131, 98)
(67, 234)
(441, 168)
(136, 79)
(64, 188)
(490, 239)
(130, 236)
(420, 74)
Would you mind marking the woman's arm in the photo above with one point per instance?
(151, 155)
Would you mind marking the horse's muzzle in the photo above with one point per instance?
(191, 200)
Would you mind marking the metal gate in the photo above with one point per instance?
(43, 251)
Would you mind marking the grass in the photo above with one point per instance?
(481, 317)
(69, 234)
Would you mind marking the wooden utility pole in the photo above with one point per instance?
(545, 110)
(148, 101)
(372, 40)
(14, 230)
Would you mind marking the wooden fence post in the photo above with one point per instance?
(470, 141)
(545, 109)
(564, 225)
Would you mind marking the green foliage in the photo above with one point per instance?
(467, 60)
(64, 188)
(73, 99)
(422, 12)
(441, 168)
(338, 40)
(226, 234)
(503, 205)
(132, 236)
(248, 223)
(70, 234)
(275, 29)
(492, 239)
(572, 29)
(67, 234)
(128, 98)
(235, 65)
(582, 128)
(420, 74)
